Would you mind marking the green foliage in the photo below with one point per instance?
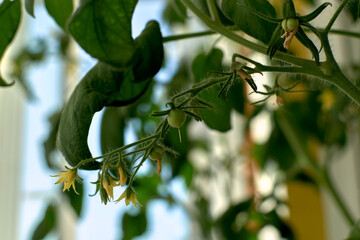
(219, 117)
(10, 13)
(103, 28)
(50, 143)
(174, 12)
(251, 24)
(76, 200)
(101, 87)
(112, 129)
(47, 224)
(60, 11)
(104, 86)
(355, 232)
(134, 225)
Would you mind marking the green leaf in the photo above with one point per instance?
(203, 6)
(10, 13)
(174, 12)
(147, 187)
(101, 86)
(112, 129)
(29, 7)
(133, 225)
(50, 142)
(237, 11)
(60, 11)
(103, 29)
(229, 218)
(46, 225)
(355, 232)
(149, 52)
(353, 9)
(219, 117)
(76, 200)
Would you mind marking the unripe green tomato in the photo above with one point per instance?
(290, 24)
(176, 118)
(156, 154)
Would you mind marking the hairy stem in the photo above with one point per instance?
(186, 36)
(336, 14)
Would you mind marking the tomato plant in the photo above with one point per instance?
(122, 81)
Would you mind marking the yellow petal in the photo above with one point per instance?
(123, 176)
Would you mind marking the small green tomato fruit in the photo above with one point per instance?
(176, 118)
(156, 154)
(290, 24)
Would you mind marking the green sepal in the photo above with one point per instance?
(315, 31)
(288, 9)
(159, 113)
(301, 36)
(314, 14)
(252, 84)
(274, 42)
(195, 116)
(226, 84)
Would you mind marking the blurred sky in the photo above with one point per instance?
(98, 221)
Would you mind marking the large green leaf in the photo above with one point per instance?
(149, 52)
(103, 29)
(240, 12)
(112, 129)
(60, 11)
(10, 13)
(103, 86)
(46, 225)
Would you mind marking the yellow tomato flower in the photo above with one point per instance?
(122, 175)
(109, 187)
(130, 196)
(68, 178)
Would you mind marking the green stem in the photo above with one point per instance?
(196, 89)
(213, 10)
(344, 33)
(336, 196)
(187, 35)
(300, 149)
(207, 33)
(152, 143)
(335, 15)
